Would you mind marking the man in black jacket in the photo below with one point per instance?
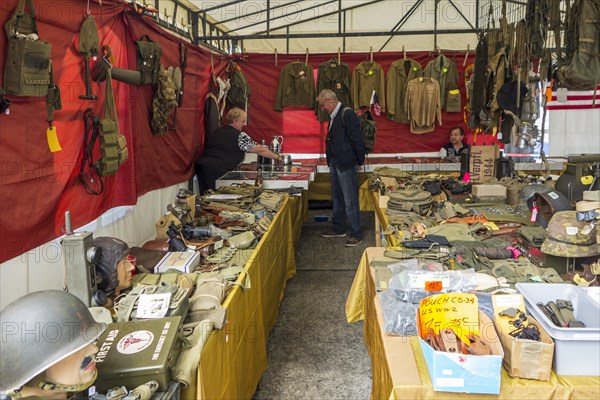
(345, 150)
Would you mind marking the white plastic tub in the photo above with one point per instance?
(577, 350)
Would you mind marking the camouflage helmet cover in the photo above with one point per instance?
(568, 237)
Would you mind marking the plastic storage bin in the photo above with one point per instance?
(577, 350)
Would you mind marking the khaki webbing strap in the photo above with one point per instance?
(110, 111)
(21, 11)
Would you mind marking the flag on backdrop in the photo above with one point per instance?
(375, 103)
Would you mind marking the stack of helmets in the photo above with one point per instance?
(568, 237)
(548, 204)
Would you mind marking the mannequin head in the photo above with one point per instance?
(113, 269)
(77, 369)
(46, 347)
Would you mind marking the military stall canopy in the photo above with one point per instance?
(293, 26)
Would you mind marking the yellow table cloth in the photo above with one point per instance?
(234, 358)
(398, 366)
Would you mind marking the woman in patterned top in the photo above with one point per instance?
(225, 149)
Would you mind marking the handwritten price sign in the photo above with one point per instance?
(456, 311)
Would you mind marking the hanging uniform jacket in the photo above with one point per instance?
(423, 104)
(335, 77)
(296, 86)
(443, 70)
(366, 77)
(239, 93)
(398, 76)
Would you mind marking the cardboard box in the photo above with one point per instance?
(482, 163)
(489, 199)
(527, 358)
(452, 372)
(185, 261)
(488, 190)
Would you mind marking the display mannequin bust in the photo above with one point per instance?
(47, 348)
(74, 373)
(113, 267)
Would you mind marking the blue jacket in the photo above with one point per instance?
(344, 141)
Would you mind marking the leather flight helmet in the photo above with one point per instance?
(568, 237)
(39, 330)
(111, 250)
(548, 204)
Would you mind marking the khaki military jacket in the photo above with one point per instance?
(335, 77)
(423, 104)
(366, 77)
(296, 86)
(443, 70)
(398, 76)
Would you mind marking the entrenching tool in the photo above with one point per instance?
(89, 44)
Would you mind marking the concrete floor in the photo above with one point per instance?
(312, 351)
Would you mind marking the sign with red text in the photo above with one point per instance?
(456, 311)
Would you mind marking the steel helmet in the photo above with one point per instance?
(548, 204)
(39, 330)
(568, 237)
(528, 191)
(111, 250)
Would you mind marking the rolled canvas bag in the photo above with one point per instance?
(27, 67)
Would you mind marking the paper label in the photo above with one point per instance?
(338, 86)
(450, 382)
(456, 311)
(587, 229)
(153, 305)
(587, 180)
(553, 195)
(572, 230)
(433, 286)
(53, 144)
(419, 281)
(509, 300)
(534, 213)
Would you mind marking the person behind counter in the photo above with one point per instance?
(456, 146)
(225, 150)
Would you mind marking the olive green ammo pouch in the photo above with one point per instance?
(113, 146)
(27, 67)
(148, 60)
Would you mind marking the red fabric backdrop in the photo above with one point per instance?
(37, 186)
(299, 126)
